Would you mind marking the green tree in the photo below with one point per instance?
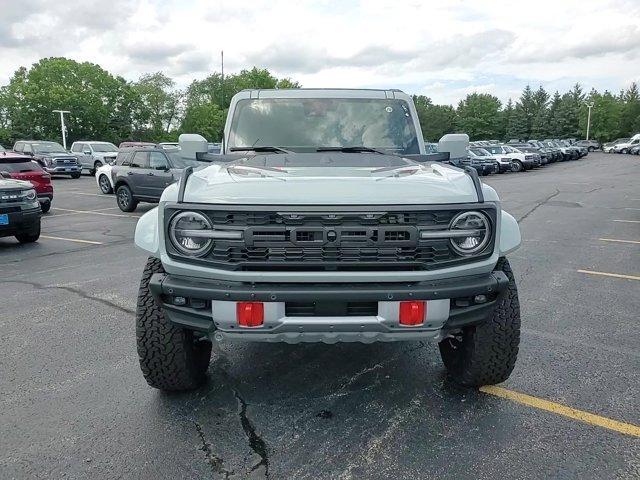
(605, 116)
(156, 107)
(540, 121)
(630, 111)
(206, 119)
(99, 103)
(478, 116)
(507, 122)
(435, 120)
(524, 113)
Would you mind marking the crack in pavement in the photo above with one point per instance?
(538, 205)
(213, 460)
(256, 443)
(76, 291)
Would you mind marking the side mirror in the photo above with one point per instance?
(87, 152)
(164, 168)
(5, 175)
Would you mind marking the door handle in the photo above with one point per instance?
(150, 174)
(129, 173)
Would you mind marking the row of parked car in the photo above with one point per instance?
(623, 145)
(491, 156)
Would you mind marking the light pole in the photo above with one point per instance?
(64, 129)
(589, 106)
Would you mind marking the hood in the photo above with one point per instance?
(10, 184)
(328, 179)
(54, 154)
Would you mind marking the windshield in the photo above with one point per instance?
(48, 147)
(19, 166)
(493, 149)
(104, 147)
(480, 152)
(305, 124)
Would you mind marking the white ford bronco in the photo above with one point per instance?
(324, 220)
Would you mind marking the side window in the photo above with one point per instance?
(140, 160)
(27, 148)
(158, 161)
(77, 147)
(18, 147)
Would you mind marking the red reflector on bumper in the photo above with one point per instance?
(412, 313)
(250, 314)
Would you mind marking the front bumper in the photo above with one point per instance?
(20, 221)
(63, 170)
(451, 305)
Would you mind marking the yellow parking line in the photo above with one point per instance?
(77, 240)
(559, 409)
(619, 241)
(627, 221)
(605, 274)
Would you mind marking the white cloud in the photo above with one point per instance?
(440, 49)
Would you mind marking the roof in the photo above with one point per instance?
(13, 155)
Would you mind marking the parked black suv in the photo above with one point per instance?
(19, 210)
(51, 156)
(141, 174)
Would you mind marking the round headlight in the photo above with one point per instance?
(29, 194)
(183, 231)
(471, 232)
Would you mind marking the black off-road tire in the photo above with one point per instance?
(45, 207)
(125, 200)
(75, 175)
(171, 358)
(29, 236)
(485, 354)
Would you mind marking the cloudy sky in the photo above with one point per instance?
(442, 49)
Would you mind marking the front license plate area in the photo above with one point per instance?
(4, 219)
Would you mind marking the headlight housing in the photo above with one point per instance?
(470, 231)
(29, 194)
(183, 232)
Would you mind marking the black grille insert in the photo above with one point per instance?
(331, 309)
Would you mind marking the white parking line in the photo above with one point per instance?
(614, 275)
(95, 212)
(76, 240)
(106, 197)
(627, 221)
(619, 241)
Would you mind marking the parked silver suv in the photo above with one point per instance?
(92, 155)
(324, 220)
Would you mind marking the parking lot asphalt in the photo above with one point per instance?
(73, 403)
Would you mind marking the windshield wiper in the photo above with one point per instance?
(264, 148)
(350, 150)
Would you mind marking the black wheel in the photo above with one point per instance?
(171, 358)
(30, 236)
(105, 185)
(517, 166)
(624, 150)
(126, 202)
(590, 149)
(485, 354)
(75, 175)
(96, 166)
(45, 206)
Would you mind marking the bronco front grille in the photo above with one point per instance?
(371, 240)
